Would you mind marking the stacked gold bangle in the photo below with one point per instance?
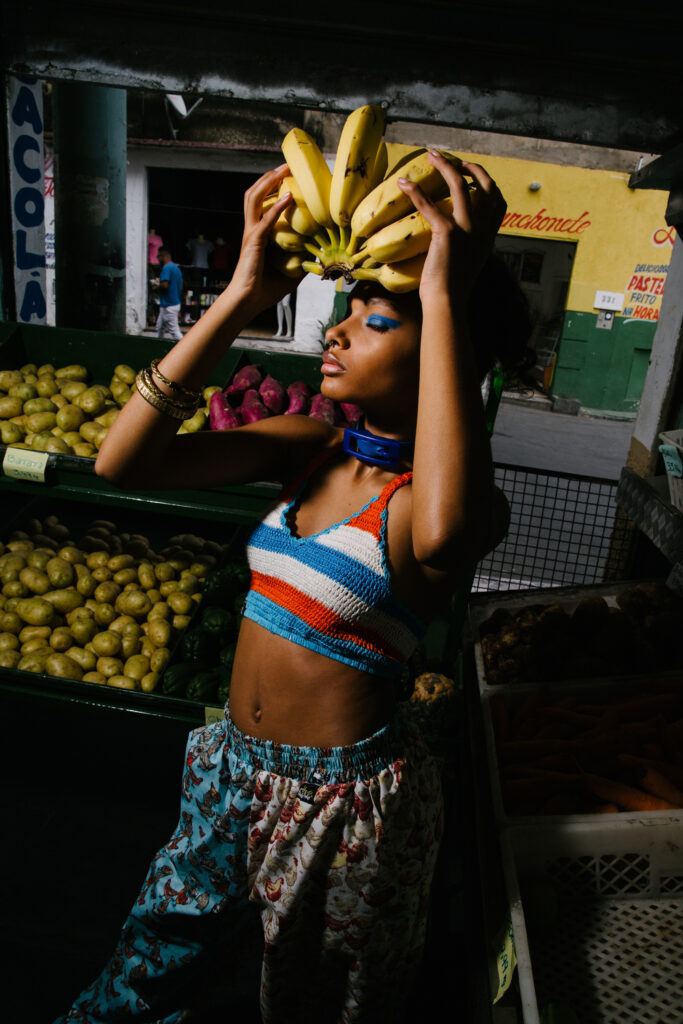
(181, 408)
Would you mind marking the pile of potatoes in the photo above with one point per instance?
(54, 409)
(106, 609)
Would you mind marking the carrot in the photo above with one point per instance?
(527, 711)
(666, 734)
(606, 809)
(568, 717)
(627, 798)
(672, 772)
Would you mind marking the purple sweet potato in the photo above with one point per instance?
(322, 408)
(222, 416)
(352, 413)
(252, 408)
(273, 395)
(299, 398)
(248, 377)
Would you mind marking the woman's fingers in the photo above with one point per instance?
(255, 195)
(459, 188)
(424, 205)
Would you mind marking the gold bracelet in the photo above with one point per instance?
(161, 404)
(178, 403)
(172, 384)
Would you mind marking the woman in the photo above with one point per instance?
(314, 802)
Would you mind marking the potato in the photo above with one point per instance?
(83, 630)
(109, 666)
(9, 658)
(10, 622)
(133, 602)
(146, 575)
(60, 572)
(35, 661)
(123, 682)
(125, 373)
(15, 588)
(159, 631)
(180, 603)
(61, 639)
(10, 406)
(106, 418)
(10, 433)
(71, 437)
(46, 386)
(63, 667)
(57, 445)
(94, 677)
(89, 431)
(91, 401)
(104, 613)
(60, 401)
(160, 610)
(84, 450)
(97, 559)
(154, 595)
(38, 559)
(86, 584)
(130, 645)
(127, 577)
(123, 621)
(106, 644)
(34, 405)
(19, 545)
(70, 417)
(35, 610)
(159, 659)
(34, 643)
(8, 378)
(37, 582)
(136, 666)
(148, 683)
(86, 659)
(11, 564)
(102, 573)
(31, 632)
(180, 622)
(164, 572)
(147, 647)
(107, 592)
(188, 583)
(38, 422)
(73, 372)
(9, 642)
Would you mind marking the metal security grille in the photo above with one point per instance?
(564, 530)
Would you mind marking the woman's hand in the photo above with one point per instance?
(462, 241)
(254, 282)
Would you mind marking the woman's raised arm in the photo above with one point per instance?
(142, 448)
(458, 514)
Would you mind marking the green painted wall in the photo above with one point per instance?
(602, 369)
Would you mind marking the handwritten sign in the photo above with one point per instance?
(506, 961)
(609, 300)
(23, 464)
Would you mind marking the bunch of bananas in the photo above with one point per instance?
(355, 223)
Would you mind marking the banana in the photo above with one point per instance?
(380, 168)
(286, 239)
(387, 202)
(297, 215)
(402, 239)
(395, 277)
(355, 161)
(310, 172)
(286, 263)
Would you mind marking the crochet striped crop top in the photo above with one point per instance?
(331, 592)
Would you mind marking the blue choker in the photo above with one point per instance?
(376, 450)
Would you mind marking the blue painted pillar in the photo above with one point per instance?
(90, 206)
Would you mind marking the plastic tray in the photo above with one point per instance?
(589, 690)
(15, 512)
(597, 915)
(481, 609)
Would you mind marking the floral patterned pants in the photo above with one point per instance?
(335, 847)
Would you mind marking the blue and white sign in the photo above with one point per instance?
(26, 160)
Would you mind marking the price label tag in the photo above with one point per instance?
(506, 961)
(672, 459)
(213, 714)
(23, 464)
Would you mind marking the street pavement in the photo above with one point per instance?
(580, 445)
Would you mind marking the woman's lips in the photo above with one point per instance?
(331, 365)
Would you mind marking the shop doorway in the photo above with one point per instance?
(543, 269)
(199, 216)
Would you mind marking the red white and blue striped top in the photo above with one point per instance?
(331, 592)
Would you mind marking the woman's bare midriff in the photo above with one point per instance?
(290, 694)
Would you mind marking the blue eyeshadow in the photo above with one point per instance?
(376, 320)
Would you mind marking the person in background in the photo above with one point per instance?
(170, 292)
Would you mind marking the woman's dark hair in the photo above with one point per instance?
(497, 315)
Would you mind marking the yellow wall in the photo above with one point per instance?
(623, 242)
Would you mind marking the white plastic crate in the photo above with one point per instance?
(597, 914)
